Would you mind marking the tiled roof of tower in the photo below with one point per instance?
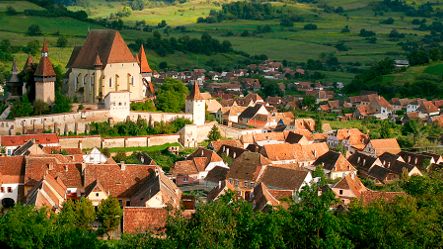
(44, 67)
(143, 60)
(195, 93)
(110, 46)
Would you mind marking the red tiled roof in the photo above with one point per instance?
(110, 46)
(368, 197)
(120, 182)
(143, 60)
(298, 152)
(44, 68)
(17, 140)
(351, 183)
(385, 145)
(12, 169)
(142, 219)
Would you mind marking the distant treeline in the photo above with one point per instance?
(423, 10)
(164, 46)
(248, 11)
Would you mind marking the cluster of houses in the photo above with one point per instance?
(265, 169)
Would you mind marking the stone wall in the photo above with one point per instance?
(89, 142)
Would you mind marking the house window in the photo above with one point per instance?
(236, 183)
(340, 191)
(246, 184)
(128, 203)
(2, 189)
(132, 80)
(9, 190)
(185, 179)
(97, 194)
(110, 82)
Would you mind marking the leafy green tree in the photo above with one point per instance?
(214, 134)
(24, 227)
(318, 124)
(62, 103)
(22, 107)
(34, 30)
(171, 96)
(109, 215)
(309, 102)
(62, 42)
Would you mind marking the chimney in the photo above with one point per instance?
(80, 145)
(122, 165)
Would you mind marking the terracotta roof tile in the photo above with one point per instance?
(248, 166)
(143, 60)
(110, 46)
(297, 152)
(385, 145)
(12, 169)
(142, 219)
(17, 140)
(371, 196)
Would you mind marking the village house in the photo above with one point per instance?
(301, 154)
(11, 180)
(12, 142)
(334, 165)
(348, 188)
(196, 166)
(377, 147)
(49, 192)
(351, 139)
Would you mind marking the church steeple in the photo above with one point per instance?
(195, 93)
(143, 61)
(44, 77)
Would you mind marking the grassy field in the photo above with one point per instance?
(410, 74)
(297, 45)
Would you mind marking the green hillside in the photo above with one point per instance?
(295, 44)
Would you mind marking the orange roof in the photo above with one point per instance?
(44, 67)
(195, 93)
(352, 183)
(368, 197)
(110, 46)
(143, 60)
(12, 169)
(385, 145)
(297, 152)
(17, 140)
(142, 219)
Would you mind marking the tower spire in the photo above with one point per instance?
(195, 93)
(143, 60)
(45, 48)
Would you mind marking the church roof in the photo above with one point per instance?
(44, 67)
(109, 45)
(195, 93)
(143, 61)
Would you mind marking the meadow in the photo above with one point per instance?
(295, 44)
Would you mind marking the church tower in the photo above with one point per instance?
(146, 73)
(195, 104)
(44, 78)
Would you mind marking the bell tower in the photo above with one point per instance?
(44, 78)
(195, 104)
